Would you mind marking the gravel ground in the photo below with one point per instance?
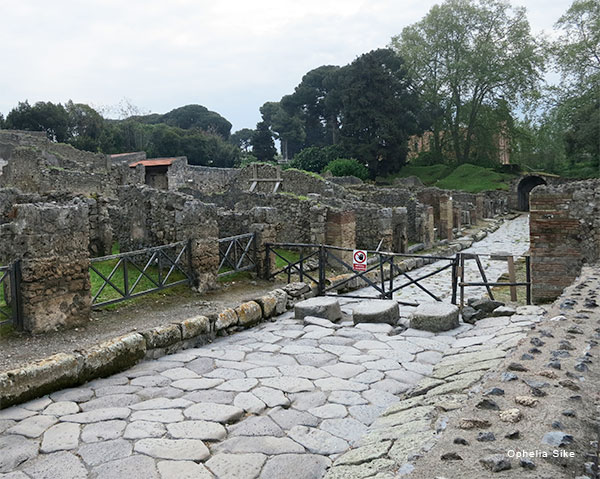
(18, 349)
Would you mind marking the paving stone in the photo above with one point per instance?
(344, 370)
(225, 354)
(195, 384)
(238, 385)
(404, 376)
(183, 470)
(317, 333)
(210, 395)
(271, 397)
(6, 424)
(98, 415)
(203, 430)
(179, 373)
(135, 466)
(176, 449)
(348, 428)
(256, 426)
(368, 469)
(391, 386)
(288, 418)
(419, 367)
(399, 356)
(144, 429)
(214, 412)
(367, 344)
(340, 350)
(242, 466)
(161, 403)
(369, 377)
(265, 359)
(288, 384)
(16, 413)
(308, 372)
(165, 392)
(264, 372)
(261, 444)
(375, 328)
(15, 450)
(73, 394)
(37, 404)
(429, 357)
(382, 364)
(296, 466)
(103, 431)
(317, 441)
(100, 452)
(307, 400)
(33, 426)
(380, 398)
(116, 400)
(329, 411)
(60, 437)
(249, 403)
(347, 398)
(120, 389)
(59, 465)
(158, 415)
(225, 374)
(199, 366)
(317, 360)
(337, 384)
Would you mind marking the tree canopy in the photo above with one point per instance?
(465, 55)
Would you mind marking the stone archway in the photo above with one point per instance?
(525, 186)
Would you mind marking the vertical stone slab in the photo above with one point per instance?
(341, 231)
(265, 233)
(52, 242)
(446, 217)
(480, 208)
(399, 230)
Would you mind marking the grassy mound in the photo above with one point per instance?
(473, 179)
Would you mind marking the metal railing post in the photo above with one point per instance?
(125, 277)
(322, 261)
(16, 298)
(267, 273)
(454, 278)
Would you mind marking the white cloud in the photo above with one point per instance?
(230, 56)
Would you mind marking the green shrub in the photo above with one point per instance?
(315, 158)
(348, 167)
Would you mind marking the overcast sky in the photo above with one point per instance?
(230, 56)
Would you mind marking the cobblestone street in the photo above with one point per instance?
(281, 400)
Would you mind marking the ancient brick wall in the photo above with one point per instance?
(150, 217)
(51, 240)
(564, 233)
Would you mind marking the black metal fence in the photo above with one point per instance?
(381, 272)
(10, 295)
(128, 275)
(237, 253)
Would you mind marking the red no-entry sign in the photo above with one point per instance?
(359, 260)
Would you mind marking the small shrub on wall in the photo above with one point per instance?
(348, 167)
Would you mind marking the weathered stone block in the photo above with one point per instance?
(195, 326)
(321, 307)
(376, 311)
(112, 356)
(249, 313)
(36, 379)
(268, 304)
(282, 299)
(162, 336)
(435, 317)
(225, 319)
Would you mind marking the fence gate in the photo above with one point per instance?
(128, 275)
(381, 272)
(237, 253)
(11, 311)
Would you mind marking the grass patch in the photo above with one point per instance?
(429, 175)
(289, 255)
(473, 179)
(502, 293)
(118, 279)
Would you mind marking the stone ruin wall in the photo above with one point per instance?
(564, 233)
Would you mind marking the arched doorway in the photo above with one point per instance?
(525, 186)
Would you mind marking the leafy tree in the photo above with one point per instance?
(1, 121)
(378, 110)
(43, 116)
(316, 158)
(85, 126)
(289, 129)
(348, 167)
(466, 54)
(263, 146)
(242, 139)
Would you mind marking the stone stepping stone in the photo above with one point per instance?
(214, 412)
(435, 317)
(320, 306)
(176, 449)
(376, 311)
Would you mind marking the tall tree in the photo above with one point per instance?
(242, 139)
(262, 143)
(288, 129)
(42, 116)
(378, 110)
(463, 55)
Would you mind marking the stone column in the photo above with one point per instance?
(341, 231)
(265, 233)
(52, 242)
(446, 222)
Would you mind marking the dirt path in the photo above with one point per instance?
(20, 348)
